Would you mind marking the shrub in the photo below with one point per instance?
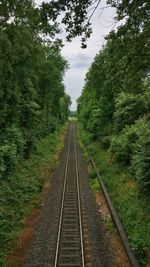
(12, 145)
(14, 135)
(8, 158)
(146, 95)
(132, 146)
(123, 145)
(53, 124)
(141, 157)
(129, 108)
(105, 141)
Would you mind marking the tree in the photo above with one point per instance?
(31, 81)
(114, 105)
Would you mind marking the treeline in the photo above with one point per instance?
(32, 97)
(115, 103)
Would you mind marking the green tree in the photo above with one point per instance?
(31, 80)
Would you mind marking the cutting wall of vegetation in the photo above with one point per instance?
(32, 98)
(115, 103)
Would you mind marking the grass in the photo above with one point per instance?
(94, 184)
(20, 193)
(132, 206)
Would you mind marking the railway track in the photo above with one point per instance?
(69, 245)
(73, 237)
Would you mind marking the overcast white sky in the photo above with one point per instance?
(80, 59)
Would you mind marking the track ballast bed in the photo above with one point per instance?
(69, 247)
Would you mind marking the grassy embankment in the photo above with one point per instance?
(21, 193)
(132, 206)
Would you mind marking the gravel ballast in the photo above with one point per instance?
(41, 251)
(101, 253)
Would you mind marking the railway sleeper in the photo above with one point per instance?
(70, 248)
(70, 265)
(68, 221)
(69, 227)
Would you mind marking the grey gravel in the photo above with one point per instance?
(41, 251)
(101, 252)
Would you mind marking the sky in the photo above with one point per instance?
(80, 59)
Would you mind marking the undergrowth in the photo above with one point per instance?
(132, 205)
(20, 192)
(94, 184)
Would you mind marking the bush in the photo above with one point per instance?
(53, 124)
(123, 145)
(129, 108)
(132, 146)
(12, 145)
(146, 95)
(14, 135)
(8, 158)
(105, 141)
(141, 157)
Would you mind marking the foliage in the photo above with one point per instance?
(116, 96)
(128, 108)
(141, 157)
(95, 186)
(123, 145)
(32, 97)
(76, 16)
(114, 111)
(20, 192)
(96, 109)
(33, 105)
(132, 147)
(133, 207)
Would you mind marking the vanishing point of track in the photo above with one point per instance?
(69, 247)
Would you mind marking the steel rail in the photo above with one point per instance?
(79, 204)
(63, 197)
(63, 205)
(133, 260)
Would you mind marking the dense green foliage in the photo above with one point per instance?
(114, 111)
(33, 105)
(115, 104)
(32, 97)
(133, 208)
(20, 193)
